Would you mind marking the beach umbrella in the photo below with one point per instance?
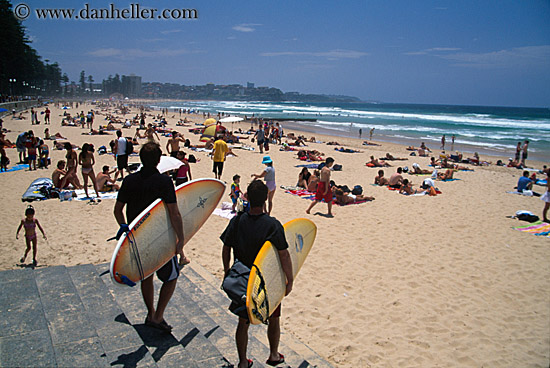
(211, 131)
(166, 163)
(209, 122)
(231, 119)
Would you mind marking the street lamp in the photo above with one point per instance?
(12, 81)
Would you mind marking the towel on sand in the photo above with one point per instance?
(538, 228)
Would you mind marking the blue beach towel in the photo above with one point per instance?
(17, 168)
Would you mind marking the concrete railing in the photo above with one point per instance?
(18, 106)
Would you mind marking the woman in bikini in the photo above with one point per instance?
(87, 161)
(72, 163)
(30, 223)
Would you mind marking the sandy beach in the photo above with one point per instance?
(403, 281)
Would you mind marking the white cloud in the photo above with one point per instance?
(529, 56)
(246, 27)
(432, 50)
(135, 53)
(332, 54)
(171, 31)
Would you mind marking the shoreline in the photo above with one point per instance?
(438, 281)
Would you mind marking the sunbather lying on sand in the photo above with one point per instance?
(417, 170)
(390, 157)
(407, 189)
(344, 198)
(375, 163)
(448, 174)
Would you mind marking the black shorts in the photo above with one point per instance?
(174, 154)
(170, 271)
(122, 161)
(218, 167)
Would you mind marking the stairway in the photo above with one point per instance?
(76, 317)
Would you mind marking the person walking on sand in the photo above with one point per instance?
(173, 144)
(546, 198)
(120, 154)
(443, 142)
(219, 155)
(370, 134)
(30, 223)
(245, 234)
(323, 188)
(269, 176)
(137, 192)
(524, 152)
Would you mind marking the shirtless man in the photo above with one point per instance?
(173, 144)
(104, 181)
(60, 178)
(396, 179)
(323, 188)
(380, 179)
(150, 132)
(391, 157)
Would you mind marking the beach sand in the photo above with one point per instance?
(402, 281)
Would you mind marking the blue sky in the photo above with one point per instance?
(442, 52)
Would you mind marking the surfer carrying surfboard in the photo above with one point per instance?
(137, 192)
(246, 234)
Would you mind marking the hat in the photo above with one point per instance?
(267, 160)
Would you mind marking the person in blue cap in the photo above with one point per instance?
(269, 176)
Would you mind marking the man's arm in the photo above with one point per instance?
(226, 258)
(177, 224)
(168, 146)
(119, 215)
(286, 263)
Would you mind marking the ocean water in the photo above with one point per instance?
(489, 130)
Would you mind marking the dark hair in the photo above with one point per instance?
(105, 168)
(329, 160)
(236, 176)
(380, 172)
(29, 210)
(399, 170)
(257, 193)
(119, 133)
(68, 146)
(405, 181)
(526, 173)
(150, 154)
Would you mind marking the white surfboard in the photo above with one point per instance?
(151, 241)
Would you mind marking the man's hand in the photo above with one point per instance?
(289, 287)
(124, 228)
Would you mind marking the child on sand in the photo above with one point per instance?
(30, 223)
(235, 191)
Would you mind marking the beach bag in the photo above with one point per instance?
(357, 190)
(526, 216)
(129, 147)
(192, 159)
(235, 283)
(337, 167)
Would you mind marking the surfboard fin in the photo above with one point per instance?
(126, 280)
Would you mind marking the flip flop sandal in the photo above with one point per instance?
(274, 363)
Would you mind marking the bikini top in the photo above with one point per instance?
(31, 225)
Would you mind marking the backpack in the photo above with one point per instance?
(129, 147)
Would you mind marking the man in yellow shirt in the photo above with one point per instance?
(218, 155)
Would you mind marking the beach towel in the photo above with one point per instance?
(542, 182)
(81, 195)
(452, 179)
(17, 168)
(538, 228)
(303, 193)
(309, 166)
(225, 211)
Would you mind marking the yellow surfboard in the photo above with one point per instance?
(267, 281)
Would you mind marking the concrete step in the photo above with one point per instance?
(76, 317)
(296, 353)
